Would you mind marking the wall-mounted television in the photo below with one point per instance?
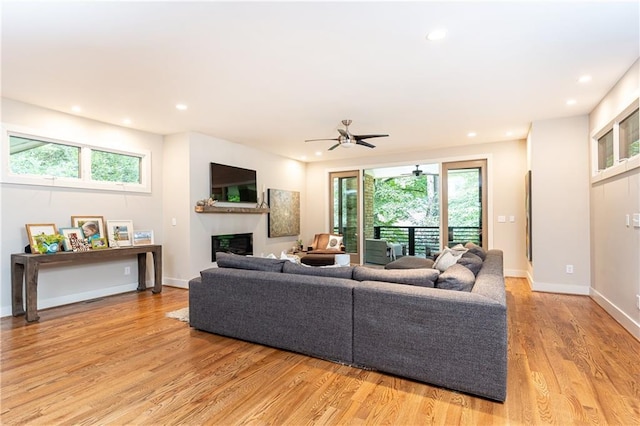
(233, 184)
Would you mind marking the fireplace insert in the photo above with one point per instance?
(232, 243)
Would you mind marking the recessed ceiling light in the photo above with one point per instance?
(126, 121)
(509, 134)
(571, 102)
(584, 79)
(472, 134)
(318, 153)
(181, 107)
(76, 108)
(436, 35)
(304, 157)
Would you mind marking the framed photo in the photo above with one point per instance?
(142, 237)
(99, 243)
(92, 227)
(119, 233)
(69, 235)
(38, 229)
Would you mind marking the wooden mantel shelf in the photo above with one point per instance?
(251, 210)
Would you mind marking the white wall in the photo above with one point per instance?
(506, 167)
(560, 204)
(615, 251)
(22, 204)
(190, 249)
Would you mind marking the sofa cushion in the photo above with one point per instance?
(456, 277)
(410, 262)
(471, 261)
(417, 277)
(476, 249)
(235, 261)
(447, 258)
(334, 243)
(337, 272)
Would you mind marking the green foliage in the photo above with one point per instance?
(465, 208)
(407, 200)
(44, 159)
(114, 167)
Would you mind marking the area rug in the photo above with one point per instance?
(180, 314)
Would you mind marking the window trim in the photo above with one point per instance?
(85, 181)
(620, 165)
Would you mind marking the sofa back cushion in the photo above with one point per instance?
(417, 277)
(471, 261)
(476, 249)
(332, 271)
(456, 277)
(235, 261)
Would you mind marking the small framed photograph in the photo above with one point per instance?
(92, 226)
(120, 233)
(142, 237)
(70, 234)
(99, 243)
(34, 229)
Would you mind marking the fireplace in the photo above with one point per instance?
(232, 243)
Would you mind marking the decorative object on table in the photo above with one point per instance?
(34, 230)
(120, 233)
(142, 237)
(284, 215)
(206, 202)
(49, 243)
(99, 243)
(69, 233)
(92, 226)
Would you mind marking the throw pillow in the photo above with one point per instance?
(447, 258)
(334, 243)
(417, 277)
(471, 261)
(477, 250)
(235, 261)
(456, 277)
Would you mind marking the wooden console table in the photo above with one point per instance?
(22, 263)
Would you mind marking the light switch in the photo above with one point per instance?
(174, 222)
(636, 220)
(512, 218)
(502, 219)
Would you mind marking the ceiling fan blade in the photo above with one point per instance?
(313, 140)
(368, 145)
(360, 137)
(334, 147)
(343, 133)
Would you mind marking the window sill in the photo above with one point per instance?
(622, 167)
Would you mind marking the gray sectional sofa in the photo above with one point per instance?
(394, 321)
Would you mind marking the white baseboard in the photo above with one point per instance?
(515, 273)
(625, 320)
(175, 282)
(560, 288)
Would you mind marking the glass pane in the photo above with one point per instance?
(605, 151)
(465, 206)
(113, 167)
(42, 158)
(629, 140)
(345, 211)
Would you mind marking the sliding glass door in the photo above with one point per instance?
(464, 202)
(345, 220)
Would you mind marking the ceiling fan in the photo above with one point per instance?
(347, 139)
(417, 172)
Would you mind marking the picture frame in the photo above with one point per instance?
(92, 227)
(124, 231)
(68, 234)
(34, 229)
(99, 243)
(142, 237)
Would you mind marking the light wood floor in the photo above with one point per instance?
(119, 361)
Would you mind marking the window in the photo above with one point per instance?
(36, 160)
(616, 147)
(629, 140)
(605, 151)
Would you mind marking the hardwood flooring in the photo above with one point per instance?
(119, 361)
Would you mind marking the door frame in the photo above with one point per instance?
(355, 173)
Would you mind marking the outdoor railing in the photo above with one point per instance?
(425, 240)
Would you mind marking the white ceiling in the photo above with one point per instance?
(272, 74)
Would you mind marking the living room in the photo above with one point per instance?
(569, 226)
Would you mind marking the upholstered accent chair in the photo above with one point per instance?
(327, 244)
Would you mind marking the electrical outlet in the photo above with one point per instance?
(127, 270)
(569, 269)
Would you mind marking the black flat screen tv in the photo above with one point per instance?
(233, 184)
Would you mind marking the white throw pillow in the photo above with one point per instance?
(334, 243)
(447, 258)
